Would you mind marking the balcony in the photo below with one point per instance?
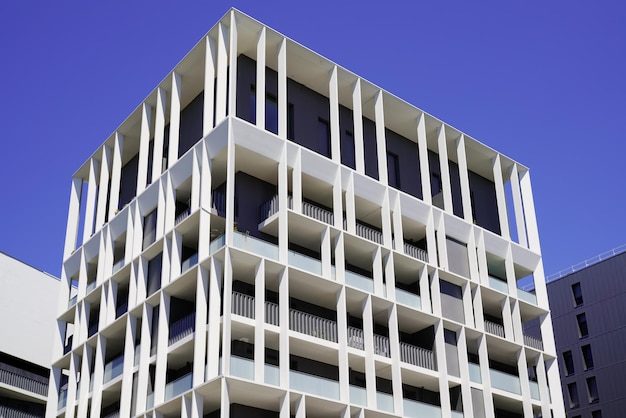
(408, 298)
(182, 328)
(92, 329)
(68, 345)
(114, 414)
(113, 368)
(272, 374)
(381, 346)
(15, 377)
(181, 216)
(533, 342)
(189, 263)
(15, 411)
(216, 244)
(505, 381)
(255, 245)
(178, 386)
(367, 232)
(312, 325)
(355, 338)
(384, 402)
(62, 398)
(271, 313)
(304, 262)
(415, 252)
(315, 385)
(311, 210)
(498, 284)
(526, 296)
(243, 305)
(72, 301)
(117, 266)
(90, 286)
(534, 391)
(121, 309)
(242, 367)
(474, 373)
(417, 356)
(495, 329)
(416, 409)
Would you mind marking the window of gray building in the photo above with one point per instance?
(583, 331)
(572, 392)
(568, 362)
(592, 389)
(587, 356)
(577, 293)
(596, 414)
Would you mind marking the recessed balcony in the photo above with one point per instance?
(182, 328)
(494, 328)
(178, 386)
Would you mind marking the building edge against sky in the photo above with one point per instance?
(28, 307)
(371, 255)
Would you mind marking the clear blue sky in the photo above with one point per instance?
(542, 82)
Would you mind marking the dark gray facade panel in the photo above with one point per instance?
(603, 291)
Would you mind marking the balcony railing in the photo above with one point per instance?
(114, 414)
(355, 338)
(408, 298)
(113, 368)
(495, 329)
(474, 373)
(369, 233)
(271, 313)
(92, 329)
(417, 356)
(304, 262)
(416, 409)
(505, 381)
(384, 401)
(90, 286)
(182, 216)
(216, 244)
(255, 245)
(182, 328)
(359, 281)
(18, 380)
(313, 325)
(415, 252)
(498, 284)
(178, 386)
(526, 296)
(243, 305)
(242, 367)
(272, 374)
(381, 346)
(8, 411)
(62, 398)
(533, 342)
(358, 395)
(312, 384)
(118, 265)
(534, 390)
(72, 301)
(189, 263)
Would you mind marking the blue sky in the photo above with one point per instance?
(542, 82)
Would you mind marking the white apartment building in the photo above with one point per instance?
(270, 235)
(28, 307)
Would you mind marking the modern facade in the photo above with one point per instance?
(270, 235)
(28, 307)
(589, 321)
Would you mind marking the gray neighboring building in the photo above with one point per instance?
(589, 321)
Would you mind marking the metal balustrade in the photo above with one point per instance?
(355, 338)
(218, 201)
(114, 414)
(495, 329)
(313, 325)
(182, 216)
(417, 356)
(118, 265)
(381, 346)
(114, 368)
(415, 252)
(243, 305)
(8, 411)
(182, 328)
(533, 342)
(271, 313)
(19, 380)
(311, 210)
(369, 233)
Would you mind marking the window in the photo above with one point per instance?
(596, 414)
(572, 392)
(587, 356)
(291, 120)
(435, 183)
(577, 293)
(568, 362)
(449, 337)
(149, 228)
(271, 110)
(323, 137)
(347, 150)
(393, 170)
(583, 331)
(592, 389)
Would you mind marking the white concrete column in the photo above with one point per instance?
(283, 225)
(213, 326)
(350, 208)
(232, 80)
(71, 385)
(468, 310)
(394, 346)
(196, 181)
(103, 188)
(368, 341)
(466, 392)
(342, 333)
(335, 132)
(466, 196)
(129, 359)
(529, 212)
(396, 219)
(200, 335)
(385, 214)
(83, 401)
(377, 271)
(446, 184)
(98, 375)
(222, 70)
(116, 174)
(357, 114)
(91, 199)
(435, 293)
(73, 217)
(282, 89)
(431, 240)
(300, 407)
(230, 188)
(259, 323)
(442, 367)
(197, 405)
(283, 323)
(162, 345)
(159, 133)
(206, 186)
(381, 142)
(485, 377)
(224, 400)
(172, 154)
(326, 252)
(144, 147)
(260, 79)
(473, 255)
(296, 182)
(518, 207)
(338, 199)
(501, 198)
(210, 60)
(424, 284)
(340, 259)
(143, 374)
(422, 147)
(227, 312)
